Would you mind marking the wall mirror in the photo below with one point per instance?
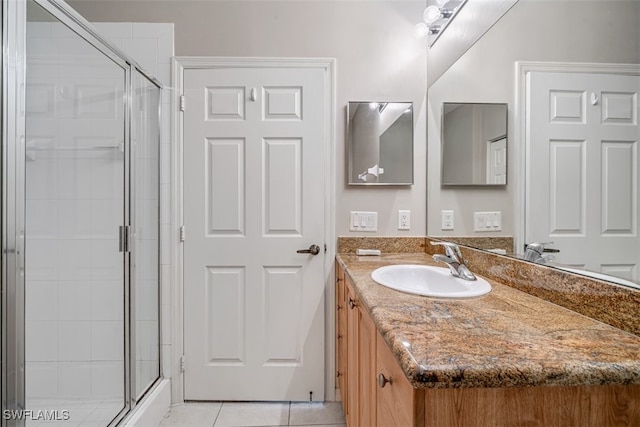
(380, 143)
(474, 144)
(491, 71)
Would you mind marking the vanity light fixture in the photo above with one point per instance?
(380, 106)
(436, 17)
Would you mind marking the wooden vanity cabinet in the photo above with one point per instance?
(365, 403)
(341, 333)
(361, 347)
(376, 393)
(397, 402)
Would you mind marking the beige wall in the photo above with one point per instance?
(533, 30)
(377, 59)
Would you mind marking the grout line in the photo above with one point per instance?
(218, 414)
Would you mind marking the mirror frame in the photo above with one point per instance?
(349, 146)
(505, 136)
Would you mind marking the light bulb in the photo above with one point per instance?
(420, 30)
(431, 14)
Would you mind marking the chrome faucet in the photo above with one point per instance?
(533, 252)
(454, 260)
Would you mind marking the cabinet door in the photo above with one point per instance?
(366, 369)
(353, 315)
(341, 336)
(397, 403)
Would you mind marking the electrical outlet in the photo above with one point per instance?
(447, 220)
(404, 220)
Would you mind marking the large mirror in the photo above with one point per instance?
(474, 144)
(380, 143)
(572, 132)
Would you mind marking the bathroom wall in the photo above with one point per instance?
(486, 73)
(378, 59)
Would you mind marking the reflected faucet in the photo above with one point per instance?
(533, 252)
(453, 258)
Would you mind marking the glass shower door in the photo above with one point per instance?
(145, 140)
(75, 287)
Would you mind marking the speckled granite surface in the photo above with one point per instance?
(507, 338)
(615, 305)
(389, 245)
(486, 243)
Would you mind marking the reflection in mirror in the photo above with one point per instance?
(380, 143)
(437, 16)
(485, 73)
(474, 144)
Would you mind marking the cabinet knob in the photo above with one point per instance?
(352, 303)
(382, 380)
(338, 374)
(338, 307)
(338, 336)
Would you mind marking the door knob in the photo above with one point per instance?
(313, 250)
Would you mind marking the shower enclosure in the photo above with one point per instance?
(80, 234)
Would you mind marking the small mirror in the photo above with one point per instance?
(380, 143)
(474, 144)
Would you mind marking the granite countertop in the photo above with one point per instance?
(506, 338)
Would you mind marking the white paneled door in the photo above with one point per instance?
(254, 195)
(583, 169)
(497, 161)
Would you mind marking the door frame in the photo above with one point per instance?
(179, 64)
(521, 135)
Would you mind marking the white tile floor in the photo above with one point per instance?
(236, 414)
(81, 413)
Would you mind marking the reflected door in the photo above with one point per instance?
(582, 174)
(497, 161)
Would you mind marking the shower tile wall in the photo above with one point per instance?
(74, 306)
(74, 192)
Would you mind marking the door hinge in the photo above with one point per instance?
(124, 235)
(182, 233)
(182, 363)
(182, 102)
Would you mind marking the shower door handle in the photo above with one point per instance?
(124, 234)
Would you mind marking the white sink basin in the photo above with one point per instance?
(429, 281)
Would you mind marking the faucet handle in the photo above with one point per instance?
(540, 247)
(451, 249)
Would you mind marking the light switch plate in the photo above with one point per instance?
(487, 221)
(363, 221)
